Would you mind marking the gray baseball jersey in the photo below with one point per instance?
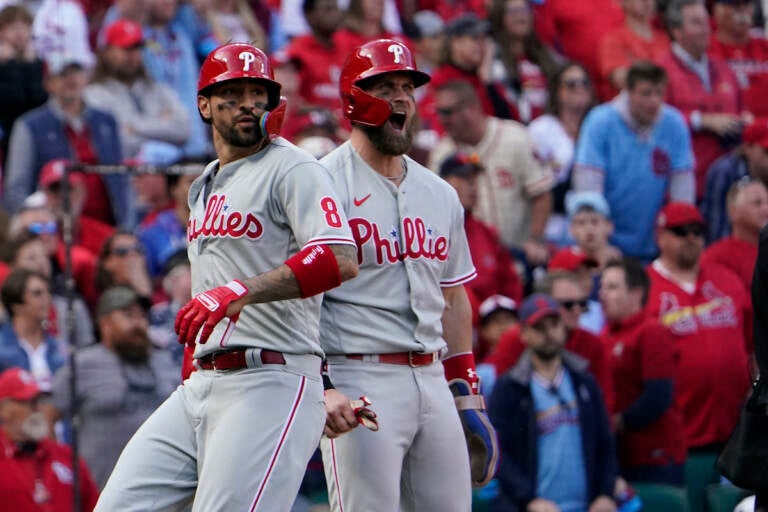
(411, 242)
(260, 211)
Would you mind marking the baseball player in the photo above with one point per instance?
(386, 332)
(265, 237)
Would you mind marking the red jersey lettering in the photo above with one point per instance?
(219, 222)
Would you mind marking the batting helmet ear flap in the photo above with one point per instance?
(272, 121)
(368, 109)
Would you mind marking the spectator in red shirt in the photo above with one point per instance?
(746, 53)
(707, 309)
(748, 211)
(566, 289)
(637, 39)
(496, 273)
(523, 64)
(644, 359)
(703, 88)
(35, 472)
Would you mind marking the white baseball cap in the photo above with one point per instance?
(495, 303)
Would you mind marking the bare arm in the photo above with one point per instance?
(457, 320)
(541, 207)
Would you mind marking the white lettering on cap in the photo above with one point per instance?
(248, 58)
(397, 51)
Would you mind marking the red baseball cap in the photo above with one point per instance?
(570, 259)
(18, 384)
(53, 172)
(757, 132)
(124, 34)
(678, 214)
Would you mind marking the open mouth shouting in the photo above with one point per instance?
(397, 120)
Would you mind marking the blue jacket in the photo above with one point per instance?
(12, 355)
(513, 414)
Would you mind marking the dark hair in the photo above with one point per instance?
(103, 278)
(645, 71)
(461, 88)
(12, 247)
(635, 275)
(12, 13)
(102, 71)
(673, 14)
(354, 15)
(536, 51)
(553, 87)
(14, 286)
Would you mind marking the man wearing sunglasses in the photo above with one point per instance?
(707, 309)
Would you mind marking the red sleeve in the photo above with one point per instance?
(592, 348)
(88, 491)
(511, 284)
(544, 23)
(658, 353)
(507, 351)
(612, 54)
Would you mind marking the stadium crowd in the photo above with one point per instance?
(611, 157)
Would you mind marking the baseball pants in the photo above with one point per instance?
(224, 441)
(418, 459)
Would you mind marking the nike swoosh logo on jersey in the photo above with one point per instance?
(359, 202)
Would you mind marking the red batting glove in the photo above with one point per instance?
(365, 416)
(206, 310)
(462, 366)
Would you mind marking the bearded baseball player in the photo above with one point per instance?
(266, 236)
(386, 332)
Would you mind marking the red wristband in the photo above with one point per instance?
(462, 366)
(316, 269)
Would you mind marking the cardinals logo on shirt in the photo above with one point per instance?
(718, 311)
(221, 221)
(419, 240)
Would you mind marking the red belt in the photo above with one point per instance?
(237, 360)
(412, 359)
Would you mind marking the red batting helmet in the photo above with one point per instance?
(233, 61)
(367, 61)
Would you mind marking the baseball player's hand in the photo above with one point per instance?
(207, 309)
(343, 414)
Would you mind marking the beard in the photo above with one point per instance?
(389, 141)
(133, 347)
(688, 256)
(241, 137)
(35, 427)
(547, 352)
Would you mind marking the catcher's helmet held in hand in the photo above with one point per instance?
(235, 61)
(367, 61)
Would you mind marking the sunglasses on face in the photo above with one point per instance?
(43, 228)
(575, 83)
(687, 229)
(125, 251)
(570, 304)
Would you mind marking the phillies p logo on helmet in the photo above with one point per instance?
(248, 58)
(397, 51)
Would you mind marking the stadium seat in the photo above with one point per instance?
(699, 473)
(662, 498)
(724, 497)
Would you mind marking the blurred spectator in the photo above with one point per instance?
(702, 87)
(170, 59)
(24, 343)
(644, 361)
(748, 212)
(363, 21)
(636, 151)
(35, 471)
(497, 314)
(60, 27)
(177, 285)
(233, 21)
(121, 262)
(514, 191)
(166, 234)
(745, 52)
(27, 251)
(708, 311)
(318, 57)
(748, 160)
(523, 64)
(87, 232)
(294, 24)
(21, 88)
(147, 112)
(581, 277)
(121, 380)
(467, 57)
(557, 450)
(133, 10)
(554, 135)
(576, 28)
(496, 273)
(427, 33)
(637, 39)
(40, 220)
(573, 301)
(591, 226)
(66, 127)
(192, 18)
